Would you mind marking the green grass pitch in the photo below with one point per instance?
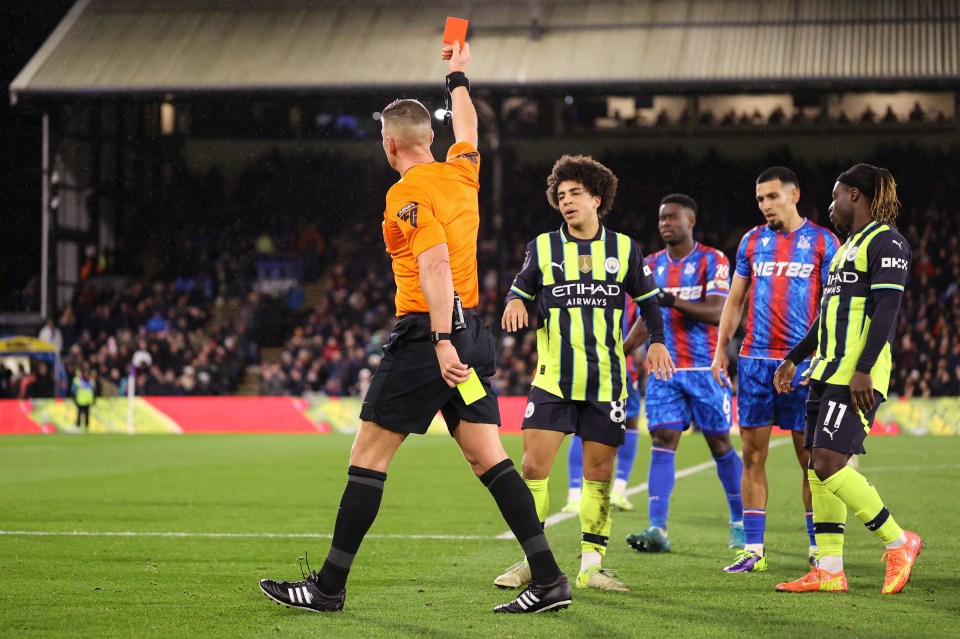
(204, 517)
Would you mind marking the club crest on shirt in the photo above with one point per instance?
(765, 241)
(409, 213)
(585, 263)
(804, 242)
(612, 265)
(660, 270)
(852, 253)
(689, 270)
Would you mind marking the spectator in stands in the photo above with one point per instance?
(51, 334)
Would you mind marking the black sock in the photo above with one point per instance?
(358, 508)
(516, 504)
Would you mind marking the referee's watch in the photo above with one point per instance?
(438, 337)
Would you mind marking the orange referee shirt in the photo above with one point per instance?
(432, 204)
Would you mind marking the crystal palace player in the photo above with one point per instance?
(850, 375)
(694, 280)
(576, 277)
(781, 269)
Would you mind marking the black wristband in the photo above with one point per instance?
(436, 337)
(666, 299)
(457, 79)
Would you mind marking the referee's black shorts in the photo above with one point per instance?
(407, 390)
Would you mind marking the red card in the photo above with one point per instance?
(456, 30)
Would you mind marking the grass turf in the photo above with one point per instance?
(426, 568)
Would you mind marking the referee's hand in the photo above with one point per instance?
(514, 316)
(451, 368)
(458, 55)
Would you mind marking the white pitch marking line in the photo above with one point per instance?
(212, 535)
(559, 517)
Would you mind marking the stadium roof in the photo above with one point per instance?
(182, 47)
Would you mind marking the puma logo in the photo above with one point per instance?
(898, 244)
(827, 431)
(559, 266)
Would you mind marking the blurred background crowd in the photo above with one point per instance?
(260, 281)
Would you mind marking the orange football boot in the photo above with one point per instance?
(817, 580)
(900, 563)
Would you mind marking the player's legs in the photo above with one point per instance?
(540, 449)
(710, 405)
(595, 519)
(730, 473)
(791, 414)
(756, 412)
(753, 485)
(839, 433)
(668, 412)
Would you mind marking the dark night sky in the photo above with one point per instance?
(24, 25)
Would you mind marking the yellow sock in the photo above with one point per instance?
(595, 520)
(829, 517)
(864, 500)
(541, 496)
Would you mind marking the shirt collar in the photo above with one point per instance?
(565, 234)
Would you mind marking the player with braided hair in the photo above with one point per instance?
(850, 374)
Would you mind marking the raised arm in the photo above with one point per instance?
(464, 113)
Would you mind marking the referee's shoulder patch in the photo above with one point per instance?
(473, 156)
(409, 213)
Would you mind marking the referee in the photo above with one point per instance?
(430, 229)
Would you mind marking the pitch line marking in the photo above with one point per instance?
(213, 535)
(559, 517)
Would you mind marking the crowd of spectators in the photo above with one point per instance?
(210, 247)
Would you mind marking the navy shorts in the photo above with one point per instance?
(690, 396)
(759, 403)
(831, 421)
(603, 422)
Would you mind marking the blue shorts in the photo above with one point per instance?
(690, 396)
(759, 404)
(633, 399)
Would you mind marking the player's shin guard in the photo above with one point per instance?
(730, 471)
(661, 480)
(829, 515)
(595, 520)
(358, 509)
(541, 496)
(520, 512)
(864, 500)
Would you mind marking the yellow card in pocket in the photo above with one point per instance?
(471, 390)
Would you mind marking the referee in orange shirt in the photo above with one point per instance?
(430, 229)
